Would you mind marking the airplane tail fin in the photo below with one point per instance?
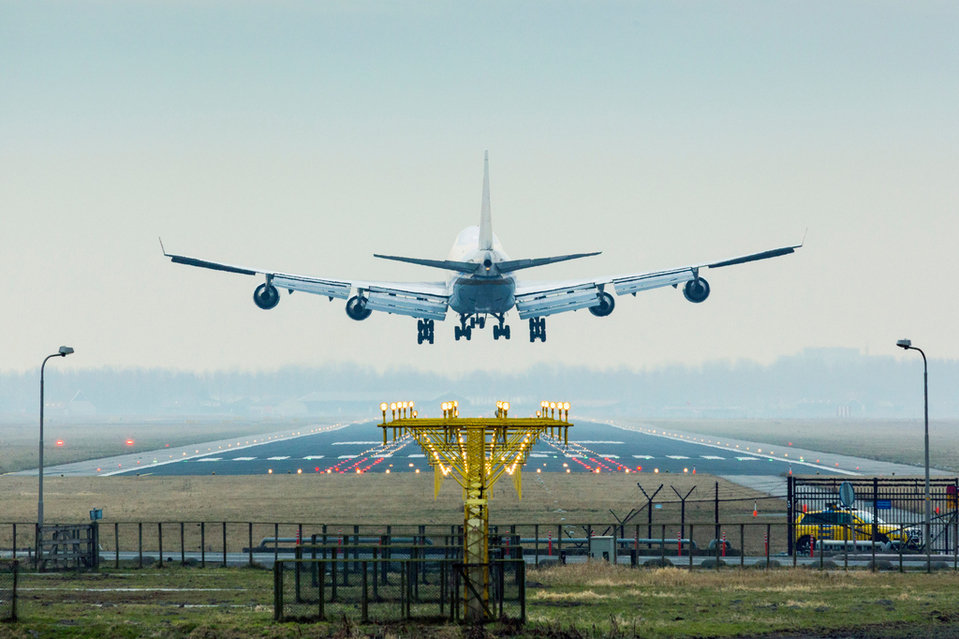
(486, 220)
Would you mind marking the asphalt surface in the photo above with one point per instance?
(358, 447)
(603, 446)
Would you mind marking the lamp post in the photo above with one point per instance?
(63, 352)
(906, 344)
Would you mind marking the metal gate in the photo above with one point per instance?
(884, 504)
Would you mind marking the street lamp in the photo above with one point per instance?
(906, 344)
(63, 352)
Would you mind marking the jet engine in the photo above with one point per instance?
(696, 290)
(266, 296)
(605, 306)
(356, 308)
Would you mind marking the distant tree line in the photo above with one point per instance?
(813, 383)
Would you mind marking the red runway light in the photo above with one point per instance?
(59, 442)
(129, 442)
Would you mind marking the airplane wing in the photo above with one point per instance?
(423, 300)
(539, 299)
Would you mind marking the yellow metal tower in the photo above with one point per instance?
(476, 452)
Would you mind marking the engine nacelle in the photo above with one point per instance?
(356, 308)
(696, 290)
(605, 306)
(266, 296)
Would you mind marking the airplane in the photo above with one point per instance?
(482, 284)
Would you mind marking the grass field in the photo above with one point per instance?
(592, 600)
(899, 441)
(564, 602)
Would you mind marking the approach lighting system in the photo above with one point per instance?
(476, 452)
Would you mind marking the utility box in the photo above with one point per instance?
(603, 547)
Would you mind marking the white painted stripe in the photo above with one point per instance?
(244, 458)
(747, 459)
(278, 458)
(677, 457)
(383, 455)
(312, 457)
(209, 459)
(712, 457)
(609, 456)
(346, 456)
(539, 455)
(642, 456)
(416, 455)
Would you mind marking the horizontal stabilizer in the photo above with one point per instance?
(515, 265)
(449, 265)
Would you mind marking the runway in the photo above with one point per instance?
(594, 447)
(357, 448)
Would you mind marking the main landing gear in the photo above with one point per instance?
(463, 330)
(501, 330)
(537, 329)
(424, 331)
(469, 321)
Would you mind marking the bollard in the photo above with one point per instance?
(679, 544)
(724, 544)
(549, 550)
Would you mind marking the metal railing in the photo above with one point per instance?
(381, 590)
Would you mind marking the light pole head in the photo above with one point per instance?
(65, 350)
(904, 343)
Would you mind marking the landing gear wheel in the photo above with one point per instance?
(424, 331)
(481, 322)
(468, 333)
(537, 329)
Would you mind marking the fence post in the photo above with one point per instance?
(202, 544)
(790, 516)
(160, 541)
(250, 547)
(522, 590)
(742, 545)
(14, 540)
(768, 542)
(277, 591)
(140, 541)
(224, 544)
(116, 543)
(364, 601)
(182, 545)
(690, 547)
(13, 602)
(536, 544)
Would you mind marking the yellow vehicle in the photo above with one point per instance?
(846, 524)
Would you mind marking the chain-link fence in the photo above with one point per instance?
(377, 590)
(9, 574)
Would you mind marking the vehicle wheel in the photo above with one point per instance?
(802, 544)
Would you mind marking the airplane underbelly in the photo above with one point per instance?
(482, 296)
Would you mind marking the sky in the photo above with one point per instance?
(305, 136)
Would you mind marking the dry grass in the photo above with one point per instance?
(899, 441)
(398, 498)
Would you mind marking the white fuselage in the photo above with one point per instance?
(476, 293)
